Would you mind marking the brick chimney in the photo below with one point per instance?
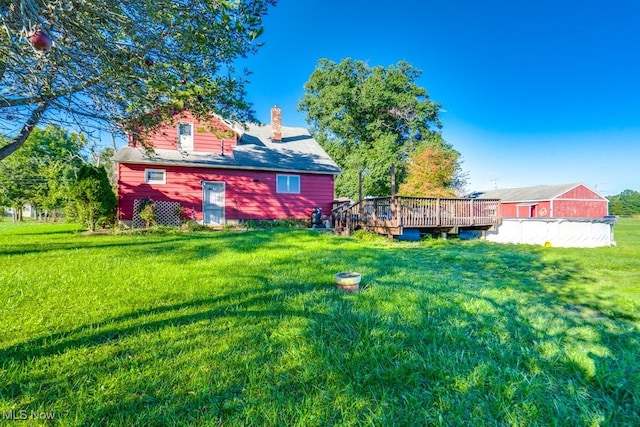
(276, 124)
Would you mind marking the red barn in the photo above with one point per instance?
(549, 201)
(220, 173)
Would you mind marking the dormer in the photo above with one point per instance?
(186, 133)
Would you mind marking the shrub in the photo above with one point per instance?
(94, 198)
(194, 226)
(185, 214)
(148, 212)
(367, 236)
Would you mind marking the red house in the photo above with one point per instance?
(549, 201)
(220, 173)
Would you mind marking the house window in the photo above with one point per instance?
(185, 136)
(184, 129)
(155, 176)
(288, 184)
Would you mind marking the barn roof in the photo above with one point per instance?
(527, 194)
(297, 152)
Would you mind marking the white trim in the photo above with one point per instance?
(289, 176)
(147, 180)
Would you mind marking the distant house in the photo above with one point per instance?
(220, 173)
(28, 211)
(549, 201)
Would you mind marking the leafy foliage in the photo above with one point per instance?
(368, 118)
(122, 65)
(625, 203)
(434, 171)
(148, 214)
(42, 171)
(94, 197)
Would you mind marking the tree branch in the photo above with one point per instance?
(46, 97)
(24, 133)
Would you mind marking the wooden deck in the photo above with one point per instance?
(392, 215)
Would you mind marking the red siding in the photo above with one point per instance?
(509, 210)
(526, 210)
(208, 136)
(580, 202)
(543, 210)
(580, 208)
(248, 194)
(581, 192)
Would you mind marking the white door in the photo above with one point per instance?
(213, 203)
(185, 136)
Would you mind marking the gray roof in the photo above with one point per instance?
(297, 152)
(527, 194)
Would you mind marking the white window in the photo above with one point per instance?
(185, 136)
(155, 176)
(288, 184)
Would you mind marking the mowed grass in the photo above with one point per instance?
(248, 329)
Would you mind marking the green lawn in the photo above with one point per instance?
(248, 329)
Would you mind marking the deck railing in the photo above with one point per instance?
(395, 213)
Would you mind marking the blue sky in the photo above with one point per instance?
(533, 92)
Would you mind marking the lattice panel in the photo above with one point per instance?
(166, 213)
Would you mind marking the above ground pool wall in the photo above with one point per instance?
(558, 232)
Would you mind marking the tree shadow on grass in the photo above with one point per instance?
(139, 321)
(481, 341)
(153, 243)
(447, 334)
(68, 232)
(101, 353)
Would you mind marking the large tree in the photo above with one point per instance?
(368, 118)
(121, 64)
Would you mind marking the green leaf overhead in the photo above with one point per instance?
(113, 61)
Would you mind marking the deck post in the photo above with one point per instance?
(437, 212)
(393, 180)
(473, 217)
(359, 186)
(360, 195)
